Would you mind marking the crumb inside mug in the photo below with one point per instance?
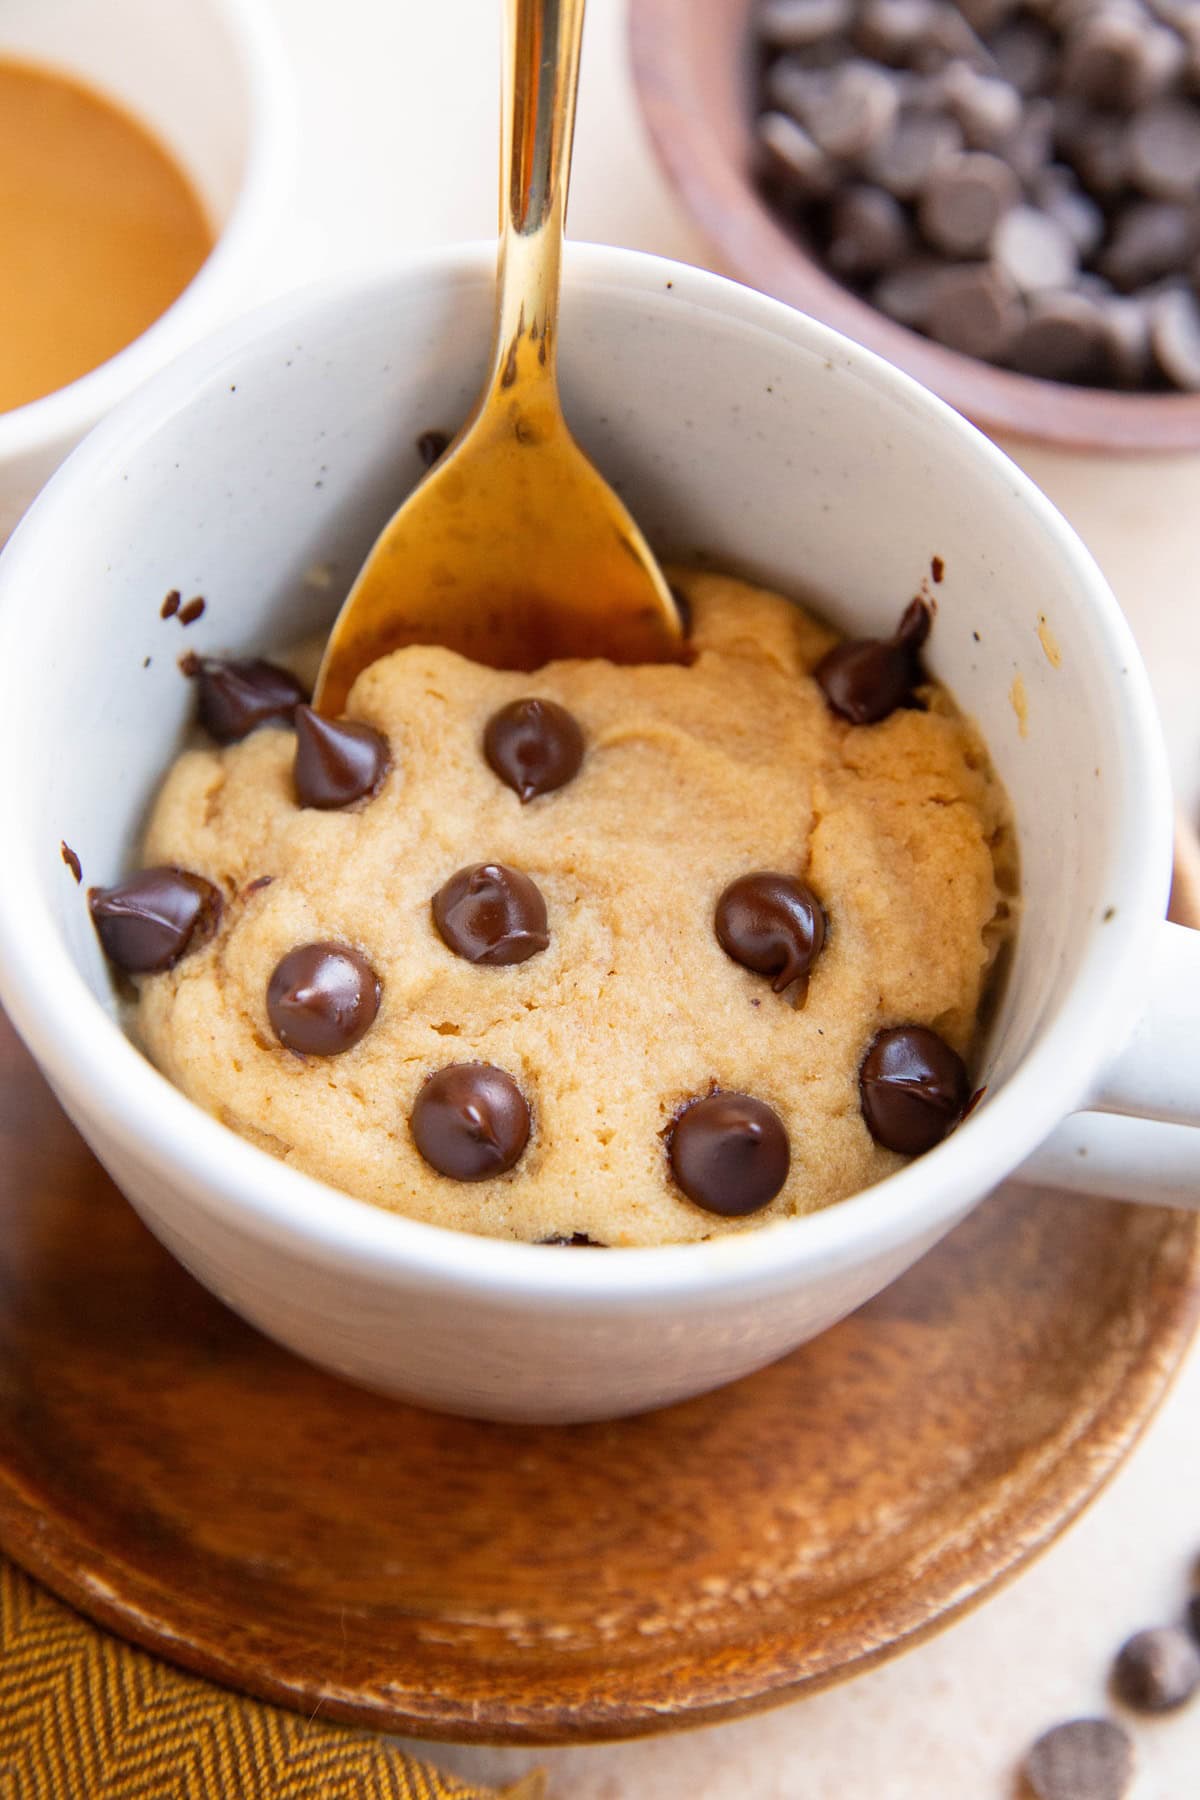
(102, 230)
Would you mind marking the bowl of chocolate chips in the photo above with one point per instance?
(1000, 196)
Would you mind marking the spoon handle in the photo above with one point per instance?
(541, 77)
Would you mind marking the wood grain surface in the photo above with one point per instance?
(192, 1487)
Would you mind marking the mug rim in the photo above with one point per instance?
(93, 1064)
(271, 127)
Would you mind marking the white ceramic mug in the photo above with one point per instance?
(257, 469)
(211, 81)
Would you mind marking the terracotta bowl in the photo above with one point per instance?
(693, 70)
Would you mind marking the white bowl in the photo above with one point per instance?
(211, 81)
(737, 429)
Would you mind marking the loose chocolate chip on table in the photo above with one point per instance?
(72, 861)
(730, 1154)
(236, 697)
(322, 998)
(337, 761)
(470, 1121)
(193, 610)
(491, 914)
(1084, 1759)
(534, 746)
(170, 605)
(578, 1240)
(913, 1088)
(865, 679)
(145, 924)
(1157, 1670)
(431, 445)
(771, 924)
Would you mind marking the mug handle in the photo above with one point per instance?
(1139, 1136)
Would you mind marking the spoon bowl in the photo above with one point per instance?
(514, 550)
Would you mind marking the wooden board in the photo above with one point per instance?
(192, 1487)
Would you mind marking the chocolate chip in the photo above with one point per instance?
(1026, 55)
(1063, 339)
(1175, 337)
(892, 29)
(913, 1088)
(975, 309)
(865, 679)
(987, 108)
(1125, 322)
(1058, 193)
(534, 746)
(170, 605)
(1149, 239)
(470, 1121)
(193, 610)
(906, 293)
(792, 24)
(856, 113)
(1158, 1670)
(791, 157)
(771, 924)
(1084, 1759)
(322, 998)
(337, 761)
(578, 1240)
(964, 201)
(869, 231)
(1104, 56)
(236, 697)
(145, 924)
(918, 146)
(431, 445)
(1034, 251)
(72, 861)
(491, 914)
(1164, 149)
(729, 1153)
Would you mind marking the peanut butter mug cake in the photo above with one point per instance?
(605, 955)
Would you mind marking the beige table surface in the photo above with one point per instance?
(399, 120)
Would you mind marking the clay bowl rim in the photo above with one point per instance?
(718, 194)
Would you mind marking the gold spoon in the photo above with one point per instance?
(513, 550)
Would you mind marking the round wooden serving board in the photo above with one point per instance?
(197, 1490)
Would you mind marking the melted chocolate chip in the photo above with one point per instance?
(534, 746)
(865, 679)
(470, 1121)
(72, 861)
(730, 1154)
(431, 445)
(772, 924)
(491, 914)
(913, 1089)
(337, 760)
(146, 924)
(578, 1240)
(322, 999)
(236, 697)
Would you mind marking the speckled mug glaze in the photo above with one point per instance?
(257, 469)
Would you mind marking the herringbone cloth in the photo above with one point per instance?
(85, 1717)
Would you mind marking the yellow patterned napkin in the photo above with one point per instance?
(86, 1717)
